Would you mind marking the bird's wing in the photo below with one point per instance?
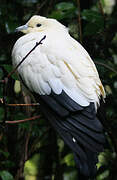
(71, 70)
(77, 68)
(87, 71)
(84, 71)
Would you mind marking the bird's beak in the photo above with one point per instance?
(21, 28)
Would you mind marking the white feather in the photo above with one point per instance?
(60, 63)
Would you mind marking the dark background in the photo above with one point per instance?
(32, 150)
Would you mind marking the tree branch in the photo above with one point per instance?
(33, 104)
(102, 12)
(101, 8)
(24, 120)
(79, 21)
(106, 66)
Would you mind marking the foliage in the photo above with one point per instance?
(34, 142)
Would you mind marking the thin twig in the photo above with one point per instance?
(33, 104)
(24, 120)
(102, 12)
(101, 8)
(40, 6)
(4, 99)
(37, 44)
(106, 66)
(2, 81)
(50, 5)
(27, 137)
(79, 21)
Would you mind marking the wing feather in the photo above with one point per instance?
(72, 70)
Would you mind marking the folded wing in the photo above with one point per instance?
(67, 85)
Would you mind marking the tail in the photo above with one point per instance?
(87, 169)
(80, 129)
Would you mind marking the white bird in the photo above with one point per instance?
(63, 78)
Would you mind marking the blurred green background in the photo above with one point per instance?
(32, 150)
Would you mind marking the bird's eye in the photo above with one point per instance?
(38, 25)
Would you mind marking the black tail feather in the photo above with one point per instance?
(80, 129)
(85, 153)
(87, 169)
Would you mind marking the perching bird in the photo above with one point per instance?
(64, 80)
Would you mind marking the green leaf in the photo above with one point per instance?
(95, 22)
(69, 160)
(10, 26)
(5, 153)
(70, 175)
(7, 163)
(31, 166)
(9, 68)
(60, 144)
(17, 87)
(5, 175)
(91, 29)
(65, 6)
(91, 15)
(63, 10)
(57, 15)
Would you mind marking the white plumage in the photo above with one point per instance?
(60, 63)
(62, 76)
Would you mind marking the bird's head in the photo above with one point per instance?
(39, 24)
